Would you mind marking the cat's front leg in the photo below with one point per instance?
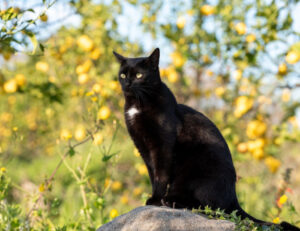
(162, 161)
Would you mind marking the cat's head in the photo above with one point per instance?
(136, 75)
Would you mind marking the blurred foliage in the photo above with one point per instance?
(63, 141)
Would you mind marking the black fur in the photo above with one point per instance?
(188, 160)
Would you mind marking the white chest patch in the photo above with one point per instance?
(132, 112)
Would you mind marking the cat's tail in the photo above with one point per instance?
(283, 225)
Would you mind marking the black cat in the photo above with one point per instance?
(188, 160)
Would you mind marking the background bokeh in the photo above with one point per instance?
(66, 159)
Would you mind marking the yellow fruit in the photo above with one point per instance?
(242, 147)
(258, 154)
(172, 75)
(7, 55)
(21, 80)
(83, 78)
(137, 191)
(255, 129)
(103, 113)
(65, 134)
(272, 163)
(113, 213)
(209, 73)
(136, 152)
(85, 43)
(44, 18)
(250, 38)
(96, 88)
(113, 85)
(95, 54)
(107, 183)
(116, 186)
(10, 86)
(142, 169)
(242, 105)
(207, 10)
(181, 22)
(124, 199)
(42, 66)
(206, 58)
(177, 59)
(286, 95)
(80, 133)
(84, 68)
(98, 138)
(220, 91)
(240, 28)
(282, 199)
(237, 74)
(292, 57)
(276, 220)
(282, 69)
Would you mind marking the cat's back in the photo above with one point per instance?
(197, 129)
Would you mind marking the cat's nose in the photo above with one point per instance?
(127, 84)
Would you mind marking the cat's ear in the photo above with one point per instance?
(119, 57)
(154, 57)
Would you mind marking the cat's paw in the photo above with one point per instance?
(154, 201)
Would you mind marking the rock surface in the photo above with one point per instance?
(151, 218)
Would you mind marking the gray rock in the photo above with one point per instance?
(151, 218)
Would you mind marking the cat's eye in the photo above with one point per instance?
(123, 76)
(139, 75)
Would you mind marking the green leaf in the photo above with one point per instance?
(71, 152)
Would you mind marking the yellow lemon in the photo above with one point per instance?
(113, 213)
(220, 91)
(292, 57)
(98, 138)
(177, 59)
(85, 43)
(137, 191)
(136, 152)
(250, 38)
(242, 105)
(42, 66)
(207, 10)
(142, 169)
(240, 28)
(282, 69)
(242, 147)
(83, 78)
(65, 134)
(124, 199)
(181, 22)
(104, 113)
(21, 80)
(96, 88)
(95, 54)
(255, 129)
(237, 74)
(286, 95)
(172, 75)
(272, 163)
(258, 154)
(276, 220)
(44, 18)
(10, 86)
(116, 186)
(85, 67)
(80, 133)
(283, 199)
